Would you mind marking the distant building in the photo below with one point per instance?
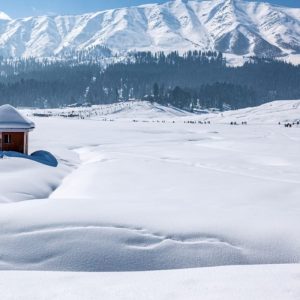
(14, 129)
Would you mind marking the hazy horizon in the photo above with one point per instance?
(19, 9)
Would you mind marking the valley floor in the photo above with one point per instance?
(142, 196)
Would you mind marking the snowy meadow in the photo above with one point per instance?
(147, 188)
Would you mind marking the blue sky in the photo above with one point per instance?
(24, 8)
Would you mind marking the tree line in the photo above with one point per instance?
(193, 80)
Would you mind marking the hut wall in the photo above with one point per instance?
(13, 141)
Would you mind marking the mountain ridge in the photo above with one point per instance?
(4, 16)
(235, 27)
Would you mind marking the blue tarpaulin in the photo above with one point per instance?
(42, 157)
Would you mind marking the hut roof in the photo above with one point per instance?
(12, 120)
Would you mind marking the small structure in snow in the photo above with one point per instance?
(14, 129)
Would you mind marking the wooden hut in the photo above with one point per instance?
(14, 130)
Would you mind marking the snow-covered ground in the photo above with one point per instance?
(270, 113)
(137, 196)
(275, 282)
(132, 110)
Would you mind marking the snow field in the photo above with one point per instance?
(151, 196)
(141, 196)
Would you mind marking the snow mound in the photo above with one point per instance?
(26, 177)
(146, 110)
(139, 110)
(269, 113)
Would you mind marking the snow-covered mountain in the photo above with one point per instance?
(232, 26)
(4, 16)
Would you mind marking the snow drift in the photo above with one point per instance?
(275, 112)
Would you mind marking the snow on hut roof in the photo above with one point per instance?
(11, 119)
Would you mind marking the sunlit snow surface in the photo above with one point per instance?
(135, 196)
(139, 187)
(158, 193)
(226, 283)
